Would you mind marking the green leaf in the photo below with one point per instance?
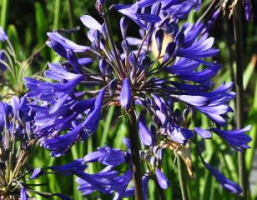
(40, 24)
(253, 135)
(249, 71)
(107, 124)
(4, 12)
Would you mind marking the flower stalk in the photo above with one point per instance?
(237, 20)
(136, 166)
(182, 178)
(71, 16)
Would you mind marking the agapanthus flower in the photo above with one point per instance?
(108, 180)
(132, 75)
(16, 144)
(226, 183)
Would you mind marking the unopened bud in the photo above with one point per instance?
(123, 27)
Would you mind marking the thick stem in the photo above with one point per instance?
(237, 17)
(182, 178)
(136, 166)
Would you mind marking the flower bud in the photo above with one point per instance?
(71, 56)
(162, 179)
(112, 87)
(159, 35)
(132, 60)
(103, 66)
(124, 27)
(58, 48)
(145, 135)
(125, 46)
(104, 31)
(125, 95)
(156, 8)
(97, 37)
(170, 49)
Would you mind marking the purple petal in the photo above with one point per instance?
(67, 44)
(125, 95)
(194, 100)
(159, 35)
(90, 22)
(145, 135)
(162, 179)
(92, 157)
(226, 183)
(23, 194)
(235, 138)
(36, 173)
(205, 134)
(91, 123)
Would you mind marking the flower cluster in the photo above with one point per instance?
(17, 139)
(164, 73)
(16, 143)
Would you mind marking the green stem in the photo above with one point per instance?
(4, 13)
(182, 178)
(136, 166)
(56, 14)
(71, 17)
(237, 17)
(161, 191)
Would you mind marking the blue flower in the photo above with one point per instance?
(162, 179)
(91, 123)
(107, 156)
(235, 138)
(23, 194)
(70, 168)
(171, 86)
(66, 43)
(16, 135)
(205, 134)
(59, 145)
(180, 9)
(145, 135)
(36, 173)
(226, 183)
(131, 11)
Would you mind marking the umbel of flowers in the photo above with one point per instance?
(17, 138)
(167, 81)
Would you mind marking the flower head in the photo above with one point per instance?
(17, 142)
(170, 85)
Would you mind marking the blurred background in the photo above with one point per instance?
(28, 21)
